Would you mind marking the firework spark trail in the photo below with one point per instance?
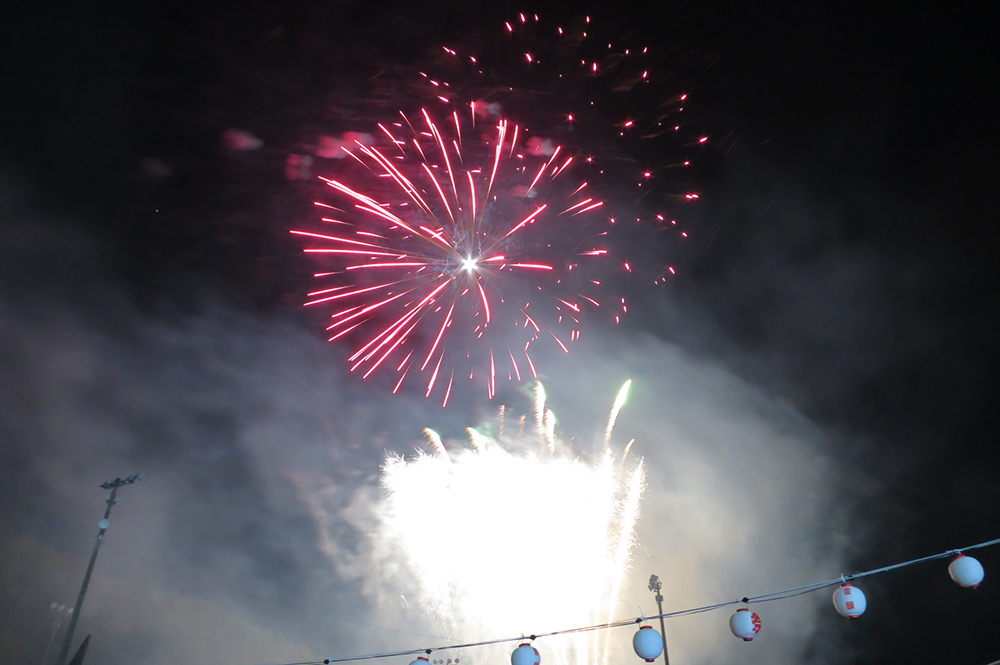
(434, 439)
(539, 405)
(476, 440)
(429, 265)
(613, 416)
(549, 431)
(628, 449)
(515, 522)
(627, 519)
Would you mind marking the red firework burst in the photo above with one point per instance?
(455, 253)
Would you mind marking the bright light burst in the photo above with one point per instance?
(460, 246)
(508, 537)
(458, 243)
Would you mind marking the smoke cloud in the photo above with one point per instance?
(251, 538)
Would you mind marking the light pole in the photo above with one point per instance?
(655, 585)
(112, 485)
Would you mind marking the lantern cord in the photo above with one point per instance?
(763, 598)
(808, 588)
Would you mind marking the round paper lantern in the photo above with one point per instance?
(850, 601)
(966, 571)
(525, 655)
(745, 624)
(420, 661)
(647, 643)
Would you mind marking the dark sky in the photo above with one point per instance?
(841, 263)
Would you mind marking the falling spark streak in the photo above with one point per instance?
(402, 376)
(402, 321)
(345, 294)
(513, 362)
(394, 264)
(447, 391)
(578, 205)
(444, 151)
(441, 243)
(527, 220)
(430, 385)
(493, 374)
(531, 266)
(367, 309)
(388, 351)
(486, 303)
(544, 168)
(501, 135)
(458, 131)
(472, 193)
(437, 186)
(531, 364)
(344, 332)
(592, 206)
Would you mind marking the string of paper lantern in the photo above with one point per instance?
(848, 600)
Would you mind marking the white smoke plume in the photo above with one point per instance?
(256, 535)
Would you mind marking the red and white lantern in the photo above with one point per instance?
(420, 661)
(850, 601)
(966, 571)
(525, 655)
(745, 624)
(647, 643)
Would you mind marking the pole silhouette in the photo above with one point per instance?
(112, 485)
(655, 585)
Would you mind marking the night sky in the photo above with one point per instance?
(835, 304)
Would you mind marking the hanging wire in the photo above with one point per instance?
(763, 598)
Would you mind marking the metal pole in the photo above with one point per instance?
(113, 485)
(655, 585)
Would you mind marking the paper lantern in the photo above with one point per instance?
(850, 601)
(647, 643)
(745, 624)
(966, 571)
(525, 655)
